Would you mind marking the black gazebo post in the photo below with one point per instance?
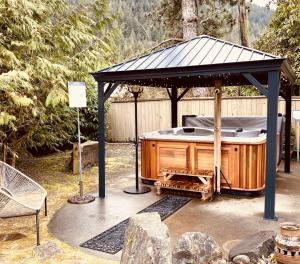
(174, 107)
(273, 93)
(288, 110)
(136, 189)
(101, 140)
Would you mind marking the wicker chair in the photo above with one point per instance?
(20, 195)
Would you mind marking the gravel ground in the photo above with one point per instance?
(17, 235)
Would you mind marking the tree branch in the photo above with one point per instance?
(165, 41)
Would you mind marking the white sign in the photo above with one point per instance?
(296, 115)
(77, 94)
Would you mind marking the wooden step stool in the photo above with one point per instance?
(205, 186)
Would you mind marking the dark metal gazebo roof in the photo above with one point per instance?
(200, 58)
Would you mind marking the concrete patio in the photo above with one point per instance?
(226, 218)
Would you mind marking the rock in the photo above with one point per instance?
(196, 247)
(255, 246)
(46, 251)
(146, 241)
(229, 245)
(241, 259)
(261, 261)
(219, 261)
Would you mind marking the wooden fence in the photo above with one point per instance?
(156, 114)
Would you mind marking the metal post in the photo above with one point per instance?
(46, 210)
(136, 189)
(174, 111)
(136, 143)
(298, 143)
(273, 88)
(79, 155)
(101, 139)
(287, 141)
(78, 199)
(37, 222)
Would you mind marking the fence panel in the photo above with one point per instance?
(156, 114)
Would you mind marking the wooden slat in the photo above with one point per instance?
(259, 166)
(155, 114)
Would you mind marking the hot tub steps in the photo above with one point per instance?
(203, 186)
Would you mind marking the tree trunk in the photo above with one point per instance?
(189, 19)
(189, 29)
(243, 21)
(244, 34)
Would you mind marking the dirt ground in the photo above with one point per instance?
(18, 236)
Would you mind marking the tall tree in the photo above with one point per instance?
(210, 17)
(283, 36)
(243, 23)
(43, 45)
(189, 19)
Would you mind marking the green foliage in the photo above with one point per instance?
(283, 36)
(259, 18)
(89, 119)
(44, 44)
(241, 91)
(137, 30)
(213, 17)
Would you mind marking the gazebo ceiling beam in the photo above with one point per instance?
(182, 94)
(168, 91)
(256, 83)
(110, 89)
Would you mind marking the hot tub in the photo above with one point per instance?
(192, 148)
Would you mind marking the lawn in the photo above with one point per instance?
(17, 235)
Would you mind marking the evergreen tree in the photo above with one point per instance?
(44, 44)
(283, 36)
(212, 17)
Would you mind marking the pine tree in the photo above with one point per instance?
(211, 17)
(283, 36)
(44, 44)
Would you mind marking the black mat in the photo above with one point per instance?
(111, 240)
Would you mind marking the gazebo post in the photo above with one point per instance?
(101, 139)
(174, 102)
(273, 93)
(288, 110)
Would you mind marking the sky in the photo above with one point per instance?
(263, 3)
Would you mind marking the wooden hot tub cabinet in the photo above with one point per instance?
(242, 164)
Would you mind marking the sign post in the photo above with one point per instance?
(77, 99)
(296, 116)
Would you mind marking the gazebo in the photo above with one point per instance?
(205, 61)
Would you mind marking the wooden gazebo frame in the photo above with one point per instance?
(207, 62)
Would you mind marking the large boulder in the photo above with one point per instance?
(146, 241)
(241, 259)
(196, 247)
(255, 246)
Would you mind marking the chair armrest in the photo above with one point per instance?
(6, 191)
